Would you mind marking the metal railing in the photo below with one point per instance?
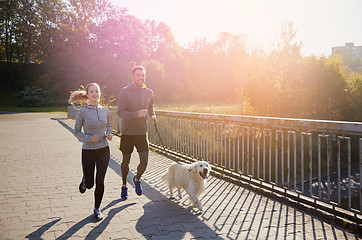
(311, 161)
(321, 160)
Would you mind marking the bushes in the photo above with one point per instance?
(35, 97)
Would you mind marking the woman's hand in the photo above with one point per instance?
(109, 137)
(95, 138)
(142, 113)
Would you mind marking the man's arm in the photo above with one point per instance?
(121, 109)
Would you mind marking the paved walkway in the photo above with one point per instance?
(39, 199)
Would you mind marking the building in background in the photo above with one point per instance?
(349, 49)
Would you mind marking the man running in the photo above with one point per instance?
(134, 104)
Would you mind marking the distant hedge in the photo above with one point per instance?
(32, 85)
(16, 76)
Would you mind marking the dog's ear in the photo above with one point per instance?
(209, 166)
(193, 167)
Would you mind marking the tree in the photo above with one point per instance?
(284, 84)
(323, 84)
(351, 108)
(271, 89)
(52, 15)
(8, 25)
(212, 68)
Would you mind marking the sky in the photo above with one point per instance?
(320, 24)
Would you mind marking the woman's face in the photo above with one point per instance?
(94, 94)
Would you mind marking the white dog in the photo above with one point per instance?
(190, 177)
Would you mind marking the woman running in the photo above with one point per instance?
(96, 123)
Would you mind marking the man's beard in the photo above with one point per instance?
(139, 83)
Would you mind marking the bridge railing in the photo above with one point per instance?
(312, 161)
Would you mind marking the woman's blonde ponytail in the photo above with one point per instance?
(81, 95)
(78, 96)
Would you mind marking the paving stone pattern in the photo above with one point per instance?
(40, 171)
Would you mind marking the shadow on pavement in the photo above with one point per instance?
(5, 112)
(76, 227)
(64, 124)
(100, 228)
(163, 217)
(40, 231)
(90, 219)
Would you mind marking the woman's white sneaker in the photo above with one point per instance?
(97, 214)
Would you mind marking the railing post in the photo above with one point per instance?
(252, 152)
(339, 169)
(319, 167)
(247, 152)
(270, 155)
(349, 173)
(276, 157)
(295, 160)
(360, 175)
(310, 165)
(328, 168)
(258, 156)
(238, 155)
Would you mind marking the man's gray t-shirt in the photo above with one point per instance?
(131, 100)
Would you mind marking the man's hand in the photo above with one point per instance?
(142, 113)
(153, 120)
(95, 138)
(109, 137)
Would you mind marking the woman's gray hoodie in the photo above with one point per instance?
(94, 120)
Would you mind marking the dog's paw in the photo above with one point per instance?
(172, 198)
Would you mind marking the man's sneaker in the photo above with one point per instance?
(82, 187)
(124, 193)
(138, 186)
(97, 214)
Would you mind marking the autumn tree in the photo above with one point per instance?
(212, 73)
(284, 84)
(271, 88)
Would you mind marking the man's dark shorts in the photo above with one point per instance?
(129, 141)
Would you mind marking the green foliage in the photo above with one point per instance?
(106, 100)
(16, 76)
(231, 109)
(55, 109)
(59, 45)
(354, 63)
(35, 97)
(352, 109)
(285, 84)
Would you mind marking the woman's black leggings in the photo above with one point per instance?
(98, 158)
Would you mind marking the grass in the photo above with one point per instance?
(59, 109)
(8, 104)
(199, 108)
(232, 109)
